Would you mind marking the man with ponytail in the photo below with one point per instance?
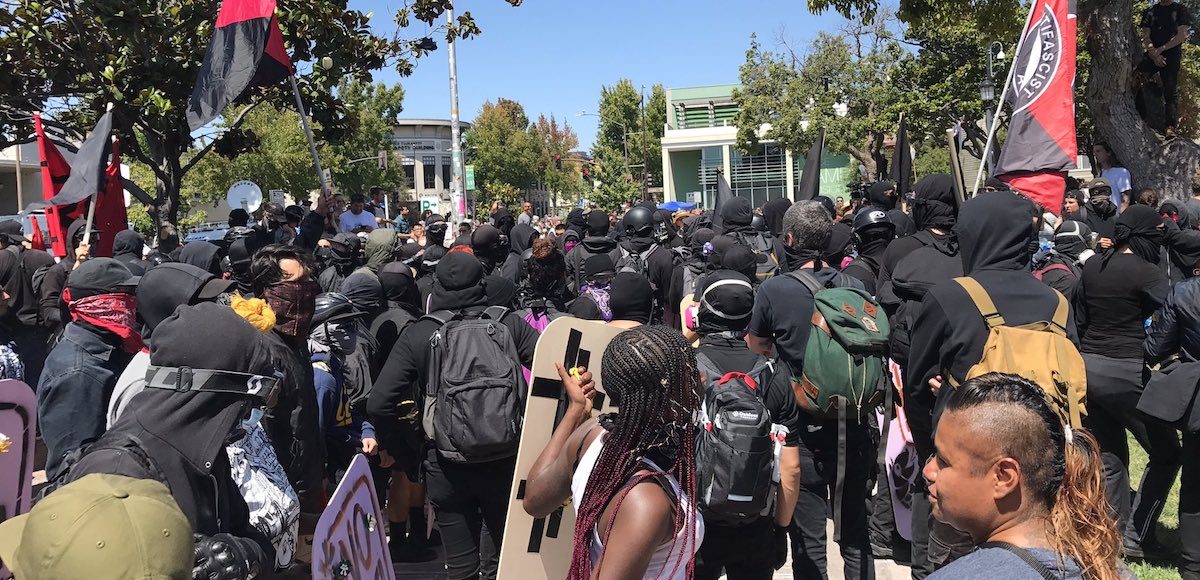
(1028, 491)
(631, 475)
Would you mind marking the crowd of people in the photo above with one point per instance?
(198, 402)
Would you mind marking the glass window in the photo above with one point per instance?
(446, 177)
(410, 179)
(429, 167)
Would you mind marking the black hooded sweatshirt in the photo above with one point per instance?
(184, 434)
(55, 314)
(994, 230)
(596, 242)
(459, 288)
(203, 255)
(127, 249)
(881, 197)
(520, 249)
(659, 266)
(403, 307)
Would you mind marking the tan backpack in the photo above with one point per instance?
(1040, 352)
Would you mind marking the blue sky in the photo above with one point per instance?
(553, 56)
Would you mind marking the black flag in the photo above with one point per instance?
(901, 170)
(87, 171)
(810, 178)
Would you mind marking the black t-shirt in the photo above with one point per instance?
(1164, 22)
(732, 356)
(1112, 302)
(783, 309)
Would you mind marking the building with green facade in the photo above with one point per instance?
(698, 151)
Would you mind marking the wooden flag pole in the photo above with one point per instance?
(1012, 69)
(91, 215)
(312, 145)
(956, 170)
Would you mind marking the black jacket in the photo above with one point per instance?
(293, 424)
(1177, 330)
(588, 247)
(127, 249)
(659, 266)
(54, 309)
(906, 285)
(949, 334)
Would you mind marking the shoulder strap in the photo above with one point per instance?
(982, 301)
(1060, 312)
(440, 316)
(496, 313)
(1024, 555)
(707, 367)
(808, 279)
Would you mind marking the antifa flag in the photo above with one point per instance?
(1041, 145)
(810, 177)
(246, 51)
(901, 169)
(55, 171)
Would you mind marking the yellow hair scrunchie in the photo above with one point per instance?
(255, 311)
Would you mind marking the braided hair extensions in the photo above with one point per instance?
(650, 372)
(1061, 468)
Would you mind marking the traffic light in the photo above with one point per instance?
(586, 172)
(558, 162)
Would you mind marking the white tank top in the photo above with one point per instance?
(680, 549)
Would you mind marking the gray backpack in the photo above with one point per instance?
(737, 446)
(474, 397)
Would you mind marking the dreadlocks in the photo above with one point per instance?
(650, 373)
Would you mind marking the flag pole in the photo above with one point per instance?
(1012, 69)
(91, 215)
(312, 144)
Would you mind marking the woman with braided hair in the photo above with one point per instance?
(1028, 491)
(631, 474)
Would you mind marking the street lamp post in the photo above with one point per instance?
(624, 132)
(987, 92)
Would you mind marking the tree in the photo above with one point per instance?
(372, 110)
(72, 57)
(625, 136)
(848, 85)
(503, 151)
(1105, 88)
(556, 141)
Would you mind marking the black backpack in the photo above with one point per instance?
(638, 263)
(738, 445)
(762, 246)
(474, 398)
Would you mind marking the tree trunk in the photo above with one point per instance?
(166, 154)
(1169, 167)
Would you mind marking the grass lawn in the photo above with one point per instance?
(1168, 522)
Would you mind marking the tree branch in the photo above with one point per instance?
(237, 122)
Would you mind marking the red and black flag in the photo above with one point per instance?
(91, 163)
(810, 177)
(1041, 147)
(246, 51)
(55, 171)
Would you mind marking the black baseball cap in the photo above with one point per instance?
(12, 231)
(276, 213)
(100, 276)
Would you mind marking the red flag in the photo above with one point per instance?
(1041, 145)
(36, 241)
(55, 171)
(246, 51)
(110, 205)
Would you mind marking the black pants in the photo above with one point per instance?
(1114, 387)
(465, 497)
(1189, 508)
(818, 468)
(1170, 82)
(742, 552)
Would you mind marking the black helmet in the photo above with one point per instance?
(871, 217)
(333, 306)
(638, 221)
(758, 222)
(236, 233)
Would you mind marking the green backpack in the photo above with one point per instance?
(843, 362)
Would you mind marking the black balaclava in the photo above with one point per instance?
(364, 291)
(241, 253)
(521, 239)
(459, 283)
(773, 212)
(202, 255)
(580, 224)
(128, 242)
(1139, 229)
(994, 230)
(1103, 206)
(435, 230)
(839, 242)
(935, 205)
(1072, 239)
(737, 258)
(504, 221)
(399, 288)
(830, 207)
(500, 291)
(882, 195)
(631, 297)
(736, 215)
(724, 307)
(597, 223)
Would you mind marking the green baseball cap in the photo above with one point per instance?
(101, 527)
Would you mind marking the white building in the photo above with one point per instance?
(423, 146)
(20, 187)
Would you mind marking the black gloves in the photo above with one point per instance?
(781, 545)
(225, 557)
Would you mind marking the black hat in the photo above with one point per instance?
(12, 231)
(238, 217)
(726, 300)
(433, 219)
(459, 270)
(100, 276)
(294, 212)
(597, 223)
(485, 238)
(346, 243)
(409, 253)
(597, 265)
(276, 213)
